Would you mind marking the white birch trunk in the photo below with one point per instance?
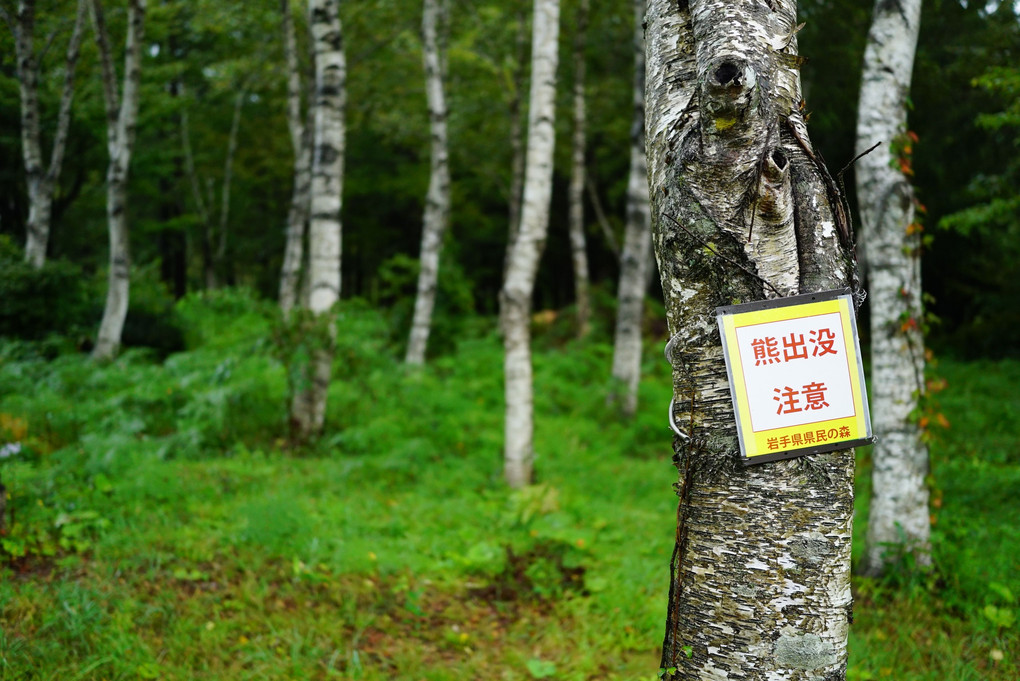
(760, 576)
(437, 201)
(121, 119)
(42, 181)
(635, 261)
(515, 297)
(899, 515)
(578, 247)
(308, 409)
(297, 214)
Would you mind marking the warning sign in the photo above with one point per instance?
(795, 375)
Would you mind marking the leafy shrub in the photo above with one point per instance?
(36, 303)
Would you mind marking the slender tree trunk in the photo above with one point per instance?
(899, 513)
(578, 247)
(308, 409)
(121, 118)
(42, 182)
(516, 137)
(515, 298)
(600, 213)
(297, 215)
(437, 201)
(220, 255)
(637, 244)
(760, 575)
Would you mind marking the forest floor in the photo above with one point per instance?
(161, 526)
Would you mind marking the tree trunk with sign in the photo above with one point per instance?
(121, 118)
(308, 409)
(526, 249)
(743, 209)
(437, 200)
(635, 260)
(898, 521)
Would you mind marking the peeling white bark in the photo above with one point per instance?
(515, 297)
(308, 410)
(42, 181)
(121, 119)
(437, 200)
(761, 569)
(899, 515)
(635, 260)
(578, 246)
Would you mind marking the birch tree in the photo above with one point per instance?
(899, 513)
(743, 209)
(635, 260)
(517, 150)
(437, 200)
(526, 249)
(308, 409)
(578, 247)
(41, 180)
(121, 119)
(301, 142)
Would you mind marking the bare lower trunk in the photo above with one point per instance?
(760, 575)
(42, 181)
(515, 298)
(308, 409)
(577, 175)
(297, 215)
(899, 518)
(437, 201)
(637, 245)
(121, 118)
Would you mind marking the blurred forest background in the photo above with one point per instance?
(162, 525)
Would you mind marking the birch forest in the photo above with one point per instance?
(386, 339)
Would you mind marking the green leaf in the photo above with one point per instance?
(540, 669)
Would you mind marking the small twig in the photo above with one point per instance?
(856, 158)
(721, 256)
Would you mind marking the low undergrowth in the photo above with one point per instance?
(160, 524)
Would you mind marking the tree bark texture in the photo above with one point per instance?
(578, 247)
(121, 119)
(308, 410)
(515, 297)
(437, 200)
(297, 214)
(899, 515)
(42, 181)
(635, 260)
(743, 209)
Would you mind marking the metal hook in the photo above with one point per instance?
(668, 350)
(672, 423)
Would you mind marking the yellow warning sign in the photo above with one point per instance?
(796, 376)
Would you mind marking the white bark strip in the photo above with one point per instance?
(437, 201)
(635, 260)
(515, 297)
(121, 119)
(760, 584)
(42, 182)
(297, 214)
(899, 515)
(308, 410)
(578, 248)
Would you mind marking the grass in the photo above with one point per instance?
(163, 526)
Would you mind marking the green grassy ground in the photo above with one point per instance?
(162, 527)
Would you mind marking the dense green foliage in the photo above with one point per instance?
(201, 54)
(161, 525)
